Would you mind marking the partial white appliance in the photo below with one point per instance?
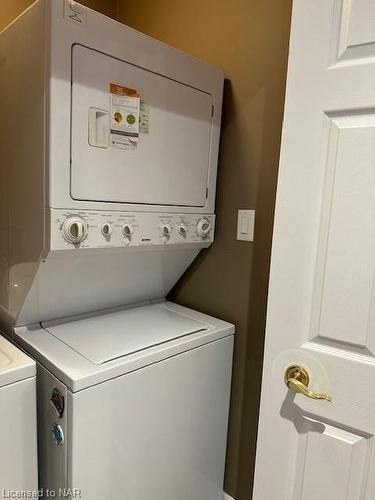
(109, 159)
(18, 437)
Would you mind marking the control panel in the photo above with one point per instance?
(95, 229)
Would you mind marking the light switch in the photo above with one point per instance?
(245, 225)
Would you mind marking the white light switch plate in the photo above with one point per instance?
(245, 225)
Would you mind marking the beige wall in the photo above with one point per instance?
(249, 40)
(10, 9)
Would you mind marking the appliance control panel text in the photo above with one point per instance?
(96, 229)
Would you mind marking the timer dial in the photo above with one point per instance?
(74, 229)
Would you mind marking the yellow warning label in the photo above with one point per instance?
(123, 91)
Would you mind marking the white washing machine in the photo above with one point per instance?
(107, 192)
(134, 403)
(18, 441)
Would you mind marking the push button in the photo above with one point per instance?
(58, 434)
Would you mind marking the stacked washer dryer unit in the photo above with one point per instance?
(111, 149)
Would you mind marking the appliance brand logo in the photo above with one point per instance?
(75, 13)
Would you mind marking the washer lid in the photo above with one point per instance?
(14, 364)
(104, 338)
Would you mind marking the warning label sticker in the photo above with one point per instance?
(144, 118)
(125, 113)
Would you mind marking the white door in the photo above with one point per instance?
(321, 309)
(137, 136)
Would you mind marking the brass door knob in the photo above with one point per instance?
(297, 379)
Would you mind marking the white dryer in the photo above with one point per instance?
(134, 403)
(18, 441)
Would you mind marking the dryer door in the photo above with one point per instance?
(137, 136)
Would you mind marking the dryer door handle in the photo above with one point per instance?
(98, 128)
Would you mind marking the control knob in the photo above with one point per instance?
(74, 229)
(182, 229)
(166, 230)
(107, 229)
(128, 230)
(203, 227)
